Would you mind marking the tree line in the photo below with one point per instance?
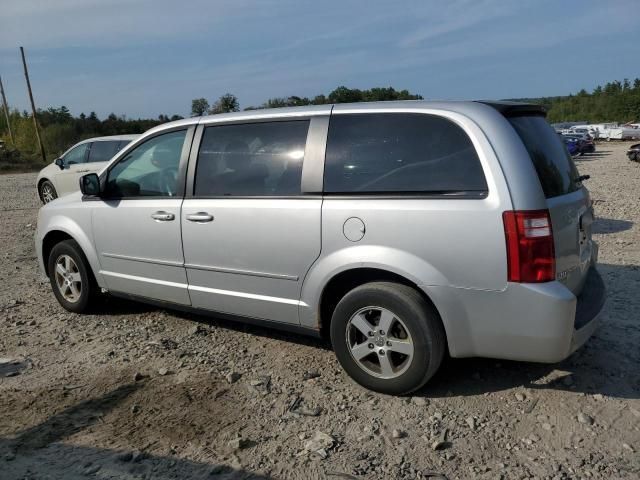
(230, 103)
(615, 101)
(60, 130)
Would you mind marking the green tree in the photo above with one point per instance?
(226, 103)
(199, 107)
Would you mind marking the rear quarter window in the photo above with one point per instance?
(398, 152)
(555, 168)
(101, 151)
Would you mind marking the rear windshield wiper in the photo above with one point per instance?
(582, 178)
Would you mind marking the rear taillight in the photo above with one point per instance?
(530, 254)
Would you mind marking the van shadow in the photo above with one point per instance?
(110, 305)
(610, 225)
(607, 364)
(40, 451)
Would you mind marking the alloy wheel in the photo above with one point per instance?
(379, 342)
(68, 278)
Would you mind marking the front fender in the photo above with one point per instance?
(78, 228)
(411, 267)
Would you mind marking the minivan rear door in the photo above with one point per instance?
(568, 201)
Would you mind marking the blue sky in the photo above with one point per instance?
(146, 57)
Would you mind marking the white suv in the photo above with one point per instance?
(91, 155)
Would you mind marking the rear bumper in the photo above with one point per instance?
(529, 322)
(589, 306)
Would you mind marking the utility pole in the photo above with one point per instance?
(33, 106)
(6, 113)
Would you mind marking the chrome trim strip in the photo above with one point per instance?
(144, 279)
(281, 276)
(143, 260)
(249, 296)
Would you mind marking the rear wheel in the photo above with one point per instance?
(387, 337)
(47, 192)
(70, 276)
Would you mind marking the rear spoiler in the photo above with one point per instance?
(516, 109)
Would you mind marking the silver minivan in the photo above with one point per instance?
(401, 230)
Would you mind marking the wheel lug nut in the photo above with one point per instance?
(388, 343)
(381, 332)
(370, 346)
(381, 352)
(371, 334)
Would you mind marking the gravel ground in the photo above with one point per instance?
(138, 392)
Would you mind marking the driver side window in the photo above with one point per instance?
(149, 170)
(76, 155)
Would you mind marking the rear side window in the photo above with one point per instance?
(102, 151)
(251, 159)
(398, 152)
(556, 171)
(122, 144)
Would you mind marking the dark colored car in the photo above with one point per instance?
(572, 145)
(585, 144)
(634, 153)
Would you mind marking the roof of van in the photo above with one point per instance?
(114, 137)
(506, 108)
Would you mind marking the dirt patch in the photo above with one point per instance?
(137, 392)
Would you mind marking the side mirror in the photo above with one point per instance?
(59, 162)
(90, 185)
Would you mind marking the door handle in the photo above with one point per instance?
(83, 171)
(200, 217)
(162, 216)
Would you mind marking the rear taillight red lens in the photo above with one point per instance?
(530, 254)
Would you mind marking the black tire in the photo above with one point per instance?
(420, 319)
(42, 191)
(88, 287)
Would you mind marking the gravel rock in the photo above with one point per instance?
(396, 434)
(585, 419)
(163, 371)
(238, 443)
(320, 443)
(419, 401)
(311, 374)
(472, 423)
(520, 396)
(233, 377)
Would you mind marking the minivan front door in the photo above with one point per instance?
(248, 232)
(136, 225)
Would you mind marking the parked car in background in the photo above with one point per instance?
(571, 144)
(403, 230)
(61, 177)
(585, 144)
(634, 153)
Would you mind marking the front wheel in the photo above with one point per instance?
(70, 276)
(387, 337)
(47, 192)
